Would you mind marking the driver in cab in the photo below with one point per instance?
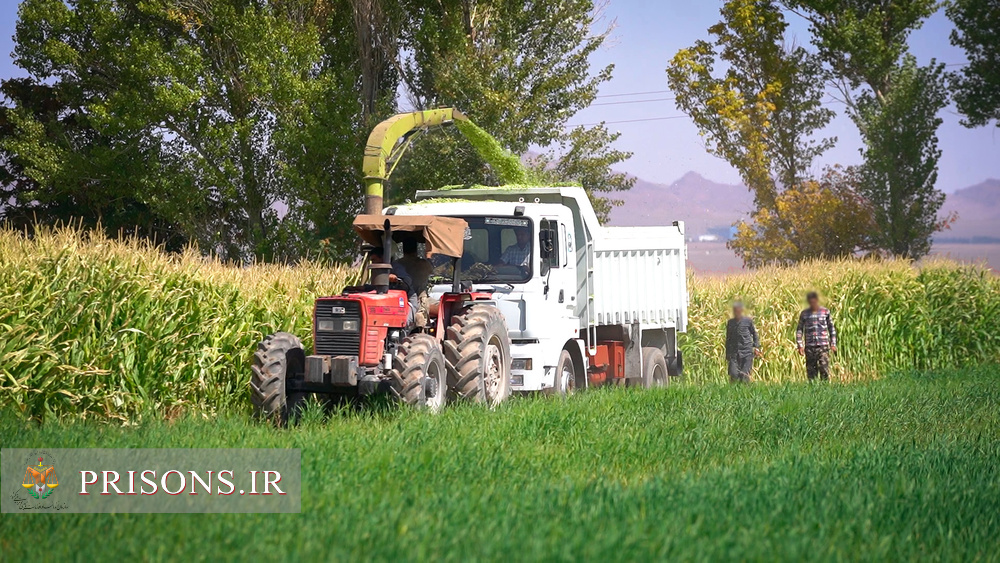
(519, 254)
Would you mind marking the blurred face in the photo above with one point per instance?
(813, 303)
(737, 311)
(523, 237)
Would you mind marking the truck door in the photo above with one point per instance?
(557, 267)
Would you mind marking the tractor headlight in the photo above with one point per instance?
(520, 364)
(350, 326)
(324, 325)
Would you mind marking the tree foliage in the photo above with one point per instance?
(823, 218)
(56, 167)
(894, 103)
(761, 115)
(977, 86)
(240, 124)
(521, 71)
(864, 41)
(761, 112)
(222, 92)
(901, 155)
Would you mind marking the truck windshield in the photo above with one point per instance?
(497, 250)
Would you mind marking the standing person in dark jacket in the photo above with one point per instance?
(816, 337)
(742, 344)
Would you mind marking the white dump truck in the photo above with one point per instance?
(585, 304)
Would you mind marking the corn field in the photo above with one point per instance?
(890, 316)
(92, 327)
(116, 329)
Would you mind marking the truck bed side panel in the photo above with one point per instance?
(639, 275)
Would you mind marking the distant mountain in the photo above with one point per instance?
(978, 209)
(702, 204)
(710, 207)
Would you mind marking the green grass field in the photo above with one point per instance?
(903, 467)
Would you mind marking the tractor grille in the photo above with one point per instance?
(338, 343)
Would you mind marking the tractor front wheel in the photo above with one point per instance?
(419, 374)
(278, 358)
(477, 350)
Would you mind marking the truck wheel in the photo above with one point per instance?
(565, 382)
(477, 350)
(654, 368)
(277, 358)
(420, 376)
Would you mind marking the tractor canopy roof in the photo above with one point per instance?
(442, 235)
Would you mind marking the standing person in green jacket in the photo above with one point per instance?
(742, 345)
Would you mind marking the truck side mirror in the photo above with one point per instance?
(546, 246)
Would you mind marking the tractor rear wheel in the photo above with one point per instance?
(654, 368)
(278, 358)
(477, 350)
(420, 377)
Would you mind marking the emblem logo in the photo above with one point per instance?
(40, 479)
(401, 304)
(337, 310)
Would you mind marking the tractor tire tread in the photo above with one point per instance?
(269, 371)
(464, 348)
(409, 364)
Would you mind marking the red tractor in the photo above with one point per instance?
(365, 340)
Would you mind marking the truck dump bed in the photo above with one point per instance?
(639, 275)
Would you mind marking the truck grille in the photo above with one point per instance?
(338, 343)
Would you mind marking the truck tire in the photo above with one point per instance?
(675, 367)
(420, 377)
(278, 357)
(565, 380)
(477, 352)
(654, 368)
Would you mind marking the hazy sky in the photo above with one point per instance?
(646, 37)
(647, 34)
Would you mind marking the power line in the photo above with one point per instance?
(629, 121)
(628, 94)
(634, 94)
(633, 102)
(824, 102)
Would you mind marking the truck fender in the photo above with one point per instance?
(663, 338)
(577, 349)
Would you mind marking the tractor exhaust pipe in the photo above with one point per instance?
(380, 277)
(456, 276)
(380, 272)
(386, 240)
